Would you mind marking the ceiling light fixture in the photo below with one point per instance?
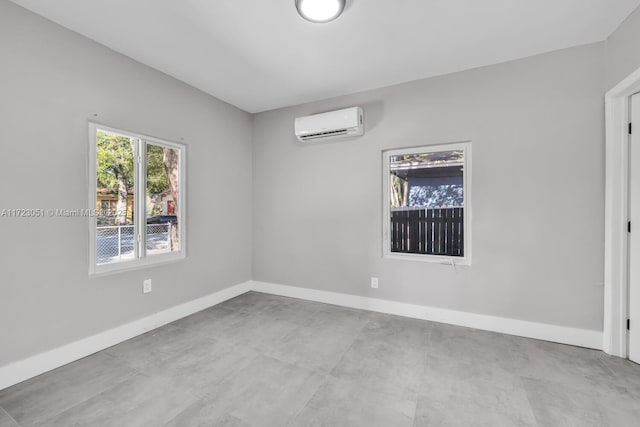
(320, 10)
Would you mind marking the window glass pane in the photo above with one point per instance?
(426, 195)
(162, 201)
(114, 198)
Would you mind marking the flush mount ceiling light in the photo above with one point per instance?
(320, 10)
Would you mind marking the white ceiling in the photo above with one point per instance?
(260, 55)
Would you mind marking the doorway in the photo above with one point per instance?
(617, 248)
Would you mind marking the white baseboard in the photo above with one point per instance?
(40, 363)
(35, 365)
(542, 331)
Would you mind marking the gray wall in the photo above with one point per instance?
(52, 81)
(537, 244)
(623, 50)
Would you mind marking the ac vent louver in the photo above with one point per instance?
(325, 134)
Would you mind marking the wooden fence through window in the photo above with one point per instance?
(437, 231)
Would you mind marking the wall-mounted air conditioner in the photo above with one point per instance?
(334, 124)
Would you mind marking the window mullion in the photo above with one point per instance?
(139, 198)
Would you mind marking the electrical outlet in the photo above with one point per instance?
(374, 282)
(146, 286)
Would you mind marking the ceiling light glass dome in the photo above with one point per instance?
(320, 10)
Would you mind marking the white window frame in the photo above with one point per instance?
(386, 209)
(140, 259)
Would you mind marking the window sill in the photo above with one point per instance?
(433, 259)
(136, 264)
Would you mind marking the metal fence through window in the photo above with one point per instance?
(117, 243)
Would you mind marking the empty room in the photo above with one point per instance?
(332, 213)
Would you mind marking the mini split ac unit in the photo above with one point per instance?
(332, 125)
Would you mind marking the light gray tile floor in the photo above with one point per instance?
(6, 420)
(262, 360)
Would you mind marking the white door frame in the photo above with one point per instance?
(616, 253)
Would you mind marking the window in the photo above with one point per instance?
(426, 198)
(137, 192)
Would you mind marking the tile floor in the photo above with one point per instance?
(262, 360)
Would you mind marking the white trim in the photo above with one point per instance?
(40, 363)
(542, 331)
(137, 264)
(465, 146)
(139, 201)
(616, 215)
(92, 188)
